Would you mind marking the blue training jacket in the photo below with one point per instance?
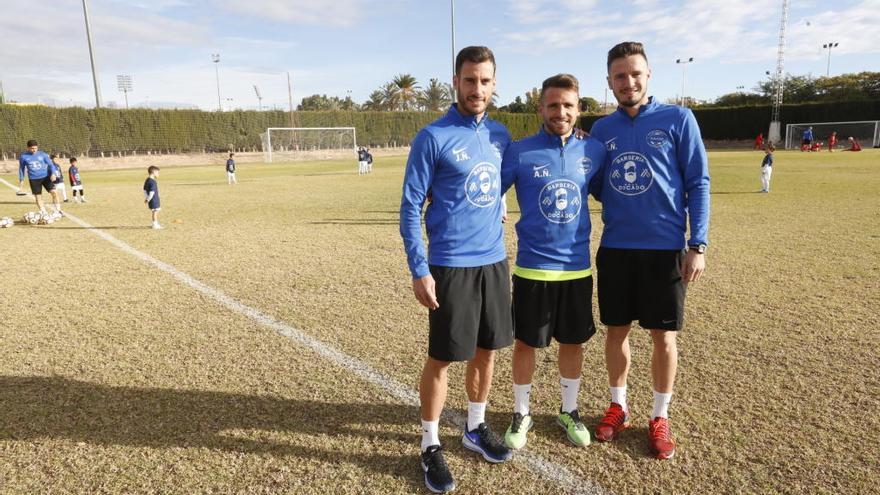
(656, 176)
(552, 183)
(38, 165)
(455, 160)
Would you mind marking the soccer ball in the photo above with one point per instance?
(6, 222)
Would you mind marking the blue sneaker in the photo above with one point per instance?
(438, 479)
(485, 442)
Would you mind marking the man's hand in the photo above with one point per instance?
(693, 266)
(423, 288)
(580, 133)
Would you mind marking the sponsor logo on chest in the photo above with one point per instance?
(631, 174)
(560, 201)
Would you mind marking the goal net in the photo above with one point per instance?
(866, 131)
(309, 143)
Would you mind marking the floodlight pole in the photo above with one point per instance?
(829, 46)
(452, 26)
(215, 57)
(92, 55)
(123, 82)
(259, 97)
(683, 63)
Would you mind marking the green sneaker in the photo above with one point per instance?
(575, 430)
(515, 437)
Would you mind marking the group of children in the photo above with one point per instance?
(44, 173)
(807, 145)
(365, 160)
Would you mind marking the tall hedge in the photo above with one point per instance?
(79, 131)
(746, 122)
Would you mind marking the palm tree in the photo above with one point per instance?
(406, 91)
(389, 96)
(436, 96)
(376, 101)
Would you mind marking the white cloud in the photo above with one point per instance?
(340, 13)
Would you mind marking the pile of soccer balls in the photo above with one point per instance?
(41, 218)
(6, 222)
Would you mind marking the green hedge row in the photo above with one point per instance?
(746, 122)
(79, 131)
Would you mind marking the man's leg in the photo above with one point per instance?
(664, 364)
(617, 360)
(55, 200)
(478, 380)
(523, 372)
(571, 362)
(38, 198)
(432, 396)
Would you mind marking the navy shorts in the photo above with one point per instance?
(37, 185)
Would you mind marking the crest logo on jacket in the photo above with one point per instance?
(585, 165)
(630, 174)
(657, 138)
(482, 185)
(560, 201)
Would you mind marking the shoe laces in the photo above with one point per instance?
(488, 437)
(660, 429)
(434, 459)
(516, 423)
(576, 419)
(614, 416)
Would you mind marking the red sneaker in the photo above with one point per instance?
(662, 443)
(615, 421)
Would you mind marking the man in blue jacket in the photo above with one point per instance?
(552, 281)
(41, 174)
(655, 182)
(462, 278)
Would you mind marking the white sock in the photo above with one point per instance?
(476, 414)
(570, 389)
(618, 395)
(521, 395)
(430, 434)
(661, 405)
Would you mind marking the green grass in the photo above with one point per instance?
(115, 378)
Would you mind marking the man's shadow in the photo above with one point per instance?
(57, 407)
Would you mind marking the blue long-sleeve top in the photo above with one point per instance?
(456, 160)
(38, 165)
(552, 181)
(656, 178)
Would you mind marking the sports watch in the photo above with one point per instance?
(700, 248)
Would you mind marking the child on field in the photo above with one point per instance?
(59, 178)
(75, 182)
(767, 168)
(230, 170)
(151, 194)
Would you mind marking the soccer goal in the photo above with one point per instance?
(866, 131)
(309, 143)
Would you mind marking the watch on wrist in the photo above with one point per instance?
(700, 248)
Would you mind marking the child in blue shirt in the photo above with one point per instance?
(151, 194)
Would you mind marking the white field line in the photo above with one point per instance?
(538, 465)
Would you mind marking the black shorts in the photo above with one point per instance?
(561, 310)
(37, 185)
(806, 141)
(643, 285)
(474, 311)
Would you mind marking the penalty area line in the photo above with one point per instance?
(538, 465)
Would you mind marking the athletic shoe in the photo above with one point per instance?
(157, 226)
(67, 201)
(438, 479)
(484, 441)
(662, 443)
(515, 437)
(615, 421)
(82, 200)
(575, 430)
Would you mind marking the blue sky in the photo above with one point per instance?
(355, 46)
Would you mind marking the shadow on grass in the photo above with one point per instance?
(734, 192)
(16, 202)
(632, 441)
(355, 221)
(56, 407)
(112, 227)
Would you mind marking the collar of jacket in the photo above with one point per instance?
(466, 120)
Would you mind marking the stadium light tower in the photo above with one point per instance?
(452, 28)
(259, 96)
(774, 134)
(829, 46)
(683, 63)
(215, 57)
(92, 56)
(123, 82)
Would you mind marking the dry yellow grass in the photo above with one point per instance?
(116, 378)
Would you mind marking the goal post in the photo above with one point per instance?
(309, 143)
(866, 131)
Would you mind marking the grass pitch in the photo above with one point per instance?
(116, 378)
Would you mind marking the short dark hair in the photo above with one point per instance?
(231, 153)
(53, 156)
(474, 55)
(73, 159)
(32, 142)
(563, 81)
(152, 169)
(771, 148)
(625, 49)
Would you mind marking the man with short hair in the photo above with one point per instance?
(552, 280)
(40, 172)
(462, 278)
(807, 142)
(656, 181)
